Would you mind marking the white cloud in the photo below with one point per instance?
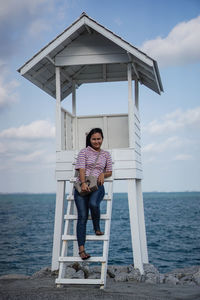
(175, 121)
(8, 94)
(18, 17)
(183, 157)
(180, 47)
(12, 8)
(36, 130)
(2, 148)
(159, 147)
(38, 26)
(31, 157)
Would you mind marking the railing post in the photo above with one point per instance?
(130, 107)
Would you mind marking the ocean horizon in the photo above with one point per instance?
(172, 226)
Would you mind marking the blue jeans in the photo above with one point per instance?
(83, 204)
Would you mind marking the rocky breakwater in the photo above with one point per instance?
(187, 276)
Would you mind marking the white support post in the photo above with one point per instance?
(134, 224)
(58, 110)
(74, 114)
(73, 98)
(136, 94)
(105, 131)
(143, 240)
(75, 245)
(58, 224)
(130, 107)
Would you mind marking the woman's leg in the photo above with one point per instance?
(82, 208)
(94, 205)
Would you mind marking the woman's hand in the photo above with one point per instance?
(100, 179)
(85, 187)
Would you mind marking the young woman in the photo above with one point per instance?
(103, 169)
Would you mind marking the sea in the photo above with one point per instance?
(172, 229)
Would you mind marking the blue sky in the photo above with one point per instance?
(168, 31)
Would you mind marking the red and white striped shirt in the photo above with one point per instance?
(86, 159)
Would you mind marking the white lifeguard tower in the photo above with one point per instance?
(87, 52)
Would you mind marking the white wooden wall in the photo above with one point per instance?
(115, 128)
(91, 49)
(127, 164)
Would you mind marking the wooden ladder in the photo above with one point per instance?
(70, 226)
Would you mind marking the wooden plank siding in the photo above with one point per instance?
(127, 161)
(126, 164)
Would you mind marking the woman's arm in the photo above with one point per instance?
(84, 186)
(102, 176)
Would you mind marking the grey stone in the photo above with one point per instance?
(162, 278)
(95, 269)
(45, 272)
(130, 268)
(134, 275)
(186, 278)
(152, 278)
(76, 265)
(86, 271)
(171, 279)
(14, 276)
(196, 277)
(78, 275)
(94, 276)
(149, 268)
(180, 273)
(151, 274)
(186, 282)
(114, 270)
(121, 277)
(69, 272)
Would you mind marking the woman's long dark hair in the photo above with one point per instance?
(92, 131)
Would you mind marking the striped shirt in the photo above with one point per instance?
(86, 159)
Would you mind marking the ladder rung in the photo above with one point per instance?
(77, 258)
(104, 237)
(71, 198)
(78, 281)
(75, 217)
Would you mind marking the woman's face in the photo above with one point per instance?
(96, 141)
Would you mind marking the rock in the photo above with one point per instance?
(162, 278)
(134, 275)
(130, 268)
(185, 276)
(69, 272)
(151, 274)
(121, 277)
(196, 277)
(78, 275)
(14, 276)
(45, 272)
(171, 279)
(95, 269)
(86, 271)
(152, 278)
(94, 276)
(114, 270)
(76, 265)
(54, 273)
(149, 268)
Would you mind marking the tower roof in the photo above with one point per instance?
(88, 52)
